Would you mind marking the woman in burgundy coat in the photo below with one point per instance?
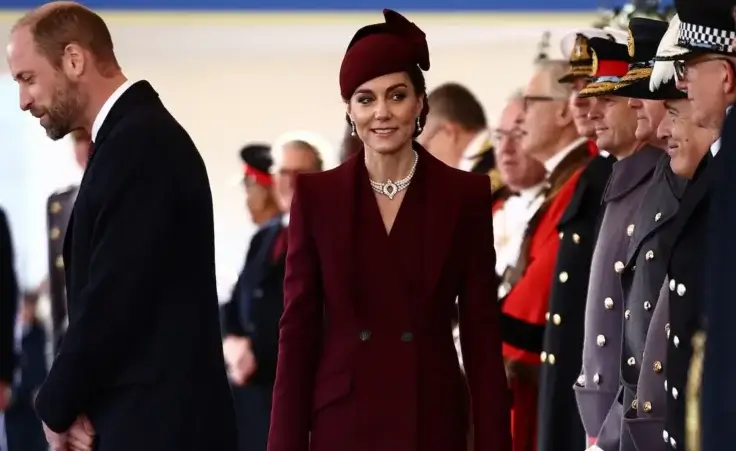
(379, 249)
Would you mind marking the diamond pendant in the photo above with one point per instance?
(390, 189)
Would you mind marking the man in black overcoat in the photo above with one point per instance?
(141, 364)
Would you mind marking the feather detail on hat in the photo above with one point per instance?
(403, 26)
(664, 71)
(619, 36)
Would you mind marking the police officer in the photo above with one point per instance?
(706, 69)
(559, 425)
(250, 319)
(597, 387)
(58, 211)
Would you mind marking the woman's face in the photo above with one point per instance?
(385, 112)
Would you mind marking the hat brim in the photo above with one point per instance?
(600, 88)
(640, 90)
(576, 73)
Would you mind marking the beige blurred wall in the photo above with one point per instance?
(235, 78)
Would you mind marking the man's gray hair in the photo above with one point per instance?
(555, 69)
(516, 94)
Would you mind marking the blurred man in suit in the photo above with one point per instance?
(141, 364)
(457, 131)
(58, 211)
(8, 305)
(250, 319)
(24, 431)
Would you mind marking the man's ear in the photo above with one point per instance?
(729, 77)
(564, 115)
(73, 61)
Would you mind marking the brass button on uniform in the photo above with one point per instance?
(667, 330)
(365, 335)
(557, 319)
(618, 266)
(647, 305)
(631, 361)
(673, 443)
(551, 359)
(627, 314)
(563, 276)
(608, 302)
(634, 403)
(55, 207)
(630, 230)
(600, 340)
(543, 356)
(546, 316)
(597, 378)
(561, 235)
(657, 366)
(681, 289)
(581, 380)
(59, 262)
(575, 238)
(407, 337)
(673, 284)
(54, 233)
(657, 217)
(675, 393)
(676, 341)
(649, 255)
(647, 407)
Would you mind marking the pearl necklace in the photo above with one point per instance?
(391, 188)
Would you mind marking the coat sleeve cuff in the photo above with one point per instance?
(61, 397)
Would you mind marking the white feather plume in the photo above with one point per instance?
(664, 71)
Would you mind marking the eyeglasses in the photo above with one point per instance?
(529, 100)
(681, 67)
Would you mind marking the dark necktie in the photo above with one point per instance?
(279, 246)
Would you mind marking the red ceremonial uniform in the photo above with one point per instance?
(523, 310)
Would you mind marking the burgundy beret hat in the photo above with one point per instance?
(383, 48)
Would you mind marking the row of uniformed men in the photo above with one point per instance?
(636, 263)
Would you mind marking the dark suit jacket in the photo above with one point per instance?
(719, 393)
(257, 303)
(346, 371)
(142, 355)
(8, 302)
(559, 425)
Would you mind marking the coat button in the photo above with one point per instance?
(647, 305)
(665, 385)
(666, 436)
(647, 407)
(407, 337)
(627, 314)
(675, 393)
(55, 207)
(581, 380)
(54, 233)
(365, 335)
(657, 366)
(649, 255)
(681, 289)
(557, 319)
(673, 284)
(59, 262)
(608, 302)
(576, 238)
(543, 356)
(634, 403)
(563, 276)
(676, 341)
(631, 361)
(618, 266)
(673, 443)
(597, 378)
(600, 340)
(551, 359)
(561, 235)
(667, 330)
(657, 217)
(630, 230)
(546, 316)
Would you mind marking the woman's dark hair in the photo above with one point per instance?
(416, 76)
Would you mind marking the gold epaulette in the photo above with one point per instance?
(496, 182)
(692, 393)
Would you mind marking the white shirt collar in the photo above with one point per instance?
(715, 147)
(531, 192)
(474, 147)
(553, 162)
(285, 219)
(107, 106)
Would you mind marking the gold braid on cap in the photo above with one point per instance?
(630, 44)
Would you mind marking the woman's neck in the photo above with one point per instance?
(384, 166)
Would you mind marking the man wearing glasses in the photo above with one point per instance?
(558, 423)
(549, 135)
(706, 69)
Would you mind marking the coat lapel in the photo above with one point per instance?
(440, 216)
(344, 203)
